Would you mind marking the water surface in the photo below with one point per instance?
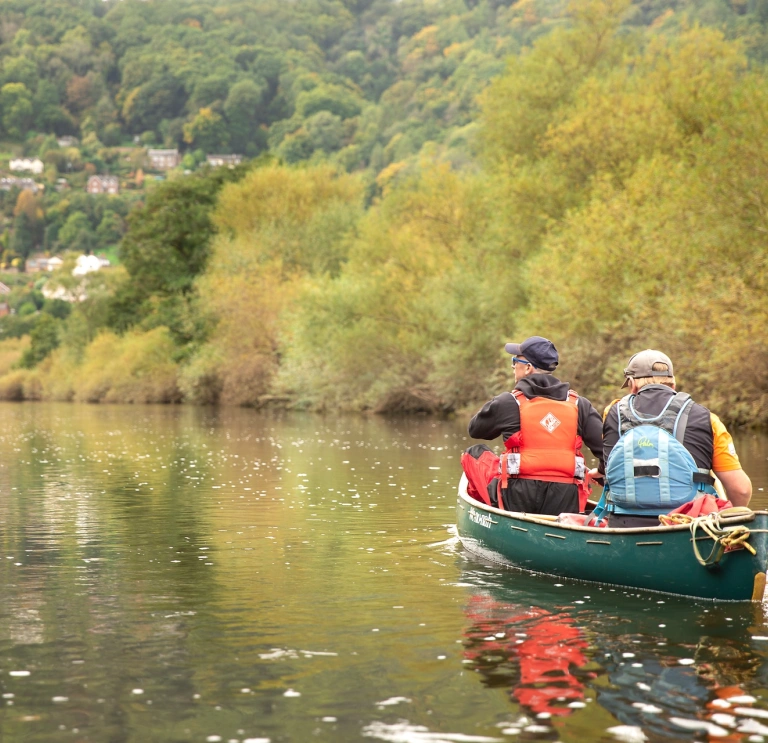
(181, 574)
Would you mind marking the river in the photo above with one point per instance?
(190, 574)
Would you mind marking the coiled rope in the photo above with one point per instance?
(725, 538)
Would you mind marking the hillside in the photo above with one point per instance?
(423, 181)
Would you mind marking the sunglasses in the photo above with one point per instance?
(516, 360)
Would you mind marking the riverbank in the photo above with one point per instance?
(138, 370)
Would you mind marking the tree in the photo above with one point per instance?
(29, 203)
(168, 239)
(161, 97)
(241, 109)
(325, 131)
(23, 238)
(110, 229)
(277, 225)
(74, 231)
(44, 337)
(207, 131)
(334, 98)
(16, 105)
(209, 90)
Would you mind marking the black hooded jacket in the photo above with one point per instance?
(501, 416)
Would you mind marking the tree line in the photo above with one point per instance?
(615, 200)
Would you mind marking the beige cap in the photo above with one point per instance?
(641, 365)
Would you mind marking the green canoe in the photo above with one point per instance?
(661, 558)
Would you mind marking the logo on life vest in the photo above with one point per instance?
(644, 443)
(549, 422)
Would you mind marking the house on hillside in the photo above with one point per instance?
(163, 159)
(39, 262)
(67, 141)
(26, 163)
(35, 263)
(5, 308)
(24, 184)
(216, 161)
(103, 184)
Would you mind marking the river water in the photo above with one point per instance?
(183, 574)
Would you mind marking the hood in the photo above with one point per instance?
(543, 385)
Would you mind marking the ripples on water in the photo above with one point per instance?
(173, 574)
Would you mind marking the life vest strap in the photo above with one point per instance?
(548, 478)
(652, 470)
(704, 478)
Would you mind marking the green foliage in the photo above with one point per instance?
(403, 327)
(16, 107)
(76, 229)
(111, 228)
(277, 227)
(44, 339)
(23, 239)
(168, 240)
(242, 109)
(592, 170)
(207, 130)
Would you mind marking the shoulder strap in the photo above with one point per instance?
(627, 416)
(681, 421)
(519, 396)
(668, 419)
(573, 397)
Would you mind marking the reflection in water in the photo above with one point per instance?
(699, 671)
(533, 651)
(182, 574)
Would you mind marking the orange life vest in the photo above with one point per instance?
(547, 446)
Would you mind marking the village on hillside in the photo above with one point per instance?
(62, 195)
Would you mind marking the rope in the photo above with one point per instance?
(726, 539)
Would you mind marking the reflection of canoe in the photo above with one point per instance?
(556, 645)
(658, 559)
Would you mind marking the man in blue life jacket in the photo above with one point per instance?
(665, 474)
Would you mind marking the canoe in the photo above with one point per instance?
(658, 558)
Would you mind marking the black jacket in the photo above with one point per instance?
(501, 416)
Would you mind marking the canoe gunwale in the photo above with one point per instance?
(531, 518)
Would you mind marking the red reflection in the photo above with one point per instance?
(536, 655)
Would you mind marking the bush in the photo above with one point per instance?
(21, 384)
(135, 368)
(11, 351)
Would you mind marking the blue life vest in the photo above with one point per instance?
(649, 471)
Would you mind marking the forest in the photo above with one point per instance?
(423, 182)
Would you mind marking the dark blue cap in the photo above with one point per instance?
(539, 351)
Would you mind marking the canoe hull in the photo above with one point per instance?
(657, 559)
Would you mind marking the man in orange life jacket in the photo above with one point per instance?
(543, 424)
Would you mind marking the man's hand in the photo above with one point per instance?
(595, 476)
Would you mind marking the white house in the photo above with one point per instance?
(85, 264)
(25, 184)
(216, 161)
(163, 159)
(26, 163)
